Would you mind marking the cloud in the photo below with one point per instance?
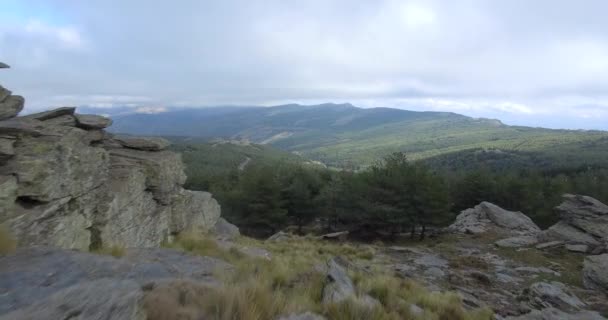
(531, 62)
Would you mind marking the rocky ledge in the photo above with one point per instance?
(66, 182)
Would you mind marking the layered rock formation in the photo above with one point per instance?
(65, 182)
(490, 217)
(584, 222)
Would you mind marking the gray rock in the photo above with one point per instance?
(193, 211)
(302, 316)
(51, 114)
(279, 237)
(8, 195)
(4, 93)
(434, 272)
(225, 230)
(555, 294)
(164, 170)
(92, 122)
(58, 166)
(431, 260)
(143, 143)
(585, 213)
(550, 244)
(517, 242)
(23, 126)
(339, 287)
(582, 248)
(415, 310)
(555, 314)
(562, 231)
(341, 235)
(11, 106)
(486, 216)
(33, 274)
(594, 272)
(95, 300)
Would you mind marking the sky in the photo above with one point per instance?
(537, 63)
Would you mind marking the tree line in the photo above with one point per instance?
(394, 196)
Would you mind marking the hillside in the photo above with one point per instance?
(338, 134)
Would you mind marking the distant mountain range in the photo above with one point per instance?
(342, 133)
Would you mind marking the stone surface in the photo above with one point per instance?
(143, 143)
(487, 216)
(550, 244)
(595, 275)
(96, 300)
(225, 230)
(279, 237)
(51, 114)
(562, 231)
(11, 106)
(92, 121)
(516, 242)
(8, 195)
(555, 294)
(339, 287)
(33, 274)
(193, 211)
(164, 170)
(555, 314)
(582, 248)
(585, 213)
(4, 93)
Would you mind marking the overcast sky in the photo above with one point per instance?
(540, 63)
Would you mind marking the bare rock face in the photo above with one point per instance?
(584, 221)
(96, 300)
(487, 216)
(595, 275)
(92, 285)
(65, 182)
(11, 106)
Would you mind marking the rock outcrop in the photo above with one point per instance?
(583, 221)
(490, 217)
(65, 182)
(64, 282)
(595, 275)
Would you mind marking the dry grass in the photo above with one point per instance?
(7, 242)
(292, 282)
(115, 250)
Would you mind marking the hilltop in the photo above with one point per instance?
(339, 134)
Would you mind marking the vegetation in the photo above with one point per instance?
(390, 197)
(291, 282)
(346, 136)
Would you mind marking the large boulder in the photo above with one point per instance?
(595, 275)
(339, 287)
(11, 106)
(225, 230)
(554, 294)
(143, 143)
(556, 314)
(562, 231)
(96, 300)
(92, 121)
(32, 275)
(193, 211)
(487, 216)
(585, 213)
(164, 170)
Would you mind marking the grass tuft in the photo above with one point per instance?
(7, 242)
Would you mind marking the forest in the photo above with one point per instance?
(394, 196)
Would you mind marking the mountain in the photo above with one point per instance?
(342, 133)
